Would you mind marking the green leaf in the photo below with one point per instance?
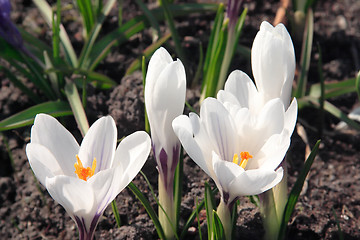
(148, 209)
(116, 213)
(212, 75)
(46, 12)
(296, 190)
(209, 207)
(314, 102)
(143, 70)
(174, 33)
(39, 80)
(305, 54)
(52, 76)
(8, 52)
(150, 17)
(322, 91)
(137, 24)
(35, 45)
(217, 227)
(102, 47)
(87, 14)
(234, 216)
(333, 90)
(230, 49)
(340, 233)
(214, 35)
(358, 84)
(193, 215)
(102, 80)
(178, 185)
(75, 102)
(26, 117)
(84, 61)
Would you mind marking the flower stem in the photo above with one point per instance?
(273, 206)
(224, 213)
(167, 216)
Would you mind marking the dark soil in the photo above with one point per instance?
(331, 194)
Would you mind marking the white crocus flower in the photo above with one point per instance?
(85, 179)
(165, 90)
(240, 152)
(273, 66)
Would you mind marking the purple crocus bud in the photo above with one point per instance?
(232, 10)
(8, 30)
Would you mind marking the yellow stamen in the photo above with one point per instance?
(84, 173)
(236, 159)
(245, 156)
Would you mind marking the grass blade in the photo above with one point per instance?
(340, 233)
(357, 84)
(137, 24)
(305, 54)
(116, 213)
(87, 14)
(83, 60)
(209, 207)
(26, 117)
(295, 191)
(75, 102)
(218, 228)
(148, 209)
(333, 90)
(151, 18)
(174, 33)
(46, 12)
(178, 184)
(193, 215)
(322, 95)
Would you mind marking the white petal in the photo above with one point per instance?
(159, 60)
(48, 132)
(273, 62)
(220, 128)
(130, 157)
(164, 101)
(253, 182)
(272, 153)
(271, 117)
(291, 116)
(184, 131)
(225, 172)
(103, 184)
(132, 153)
(42, 162)
(99, 142)
(75, 195)
(255, 130)
(242, 87)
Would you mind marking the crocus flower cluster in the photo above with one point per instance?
(241, 138)
(85, 179)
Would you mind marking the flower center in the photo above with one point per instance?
(245, 156)
(84, 173)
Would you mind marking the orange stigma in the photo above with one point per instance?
(84, 173)
(245, 156)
